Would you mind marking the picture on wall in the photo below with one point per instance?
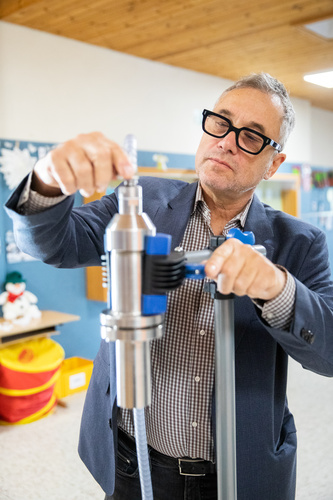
(17, 159)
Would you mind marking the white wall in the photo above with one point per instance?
(52, 88)
(298, 148)
(321, 138)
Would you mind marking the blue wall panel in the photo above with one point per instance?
(57, 289)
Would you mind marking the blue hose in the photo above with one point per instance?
(142, 454)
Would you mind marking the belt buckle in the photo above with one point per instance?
(180, 460)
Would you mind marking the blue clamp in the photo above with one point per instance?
(160, 244)
(195, 271)
(246, 237)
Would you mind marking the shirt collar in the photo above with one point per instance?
(239, 219)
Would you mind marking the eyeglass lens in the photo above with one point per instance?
(247, 140)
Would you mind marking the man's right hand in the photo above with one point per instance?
(86, 164)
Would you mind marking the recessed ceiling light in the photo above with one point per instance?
(324, 79)
(322, 28)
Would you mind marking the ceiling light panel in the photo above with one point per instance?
(322, 28)
(324, 79)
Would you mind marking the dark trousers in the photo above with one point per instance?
(168, 483)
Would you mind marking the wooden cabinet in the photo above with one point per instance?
(282, 191)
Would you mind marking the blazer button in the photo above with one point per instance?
(307, 335)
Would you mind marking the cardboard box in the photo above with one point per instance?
(74, 376)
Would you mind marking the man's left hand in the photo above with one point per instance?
(241, 270)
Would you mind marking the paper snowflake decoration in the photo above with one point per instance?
(15, 165)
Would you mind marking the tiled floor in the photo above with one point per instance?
(39, 461)
(311, 402)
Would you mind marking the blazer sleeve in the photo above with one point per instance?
(69, 237)
(310, 337)
(63, 236)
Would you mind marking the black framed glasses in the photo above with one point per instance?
(247, 139)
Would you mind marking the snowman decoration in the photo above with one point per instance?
(18, 305)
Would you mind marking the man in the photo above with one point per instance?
(283, 307)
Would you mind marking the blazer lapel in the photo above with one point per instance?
(258, 223)
(173, 218)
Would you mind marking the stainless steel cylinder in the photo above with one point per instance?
(126, 282)
(133, 374)
(124, 322)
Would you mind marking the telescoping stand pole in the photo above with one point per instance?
(225, 390)
(225, 386)
(225, 398)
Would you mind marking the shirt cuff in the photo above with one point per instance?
(279, 312)
(31, 202)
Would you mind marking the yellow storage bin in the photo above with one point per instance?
(74, 377)
(28, 374)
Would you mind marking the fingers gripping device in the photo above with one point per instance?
(140, 271)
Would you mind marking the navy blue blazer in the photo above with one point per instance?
(266, 434)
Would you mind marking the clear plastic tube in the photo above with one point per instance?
(142, 453)
(130, 146)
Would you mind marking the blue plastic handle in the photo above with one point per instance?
(195, 271)
(246, 237)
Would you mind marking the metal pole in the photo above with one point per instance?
(225, 398)
(225, 385)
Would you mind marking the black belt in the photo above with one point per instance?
(186, 466)
(195, 467)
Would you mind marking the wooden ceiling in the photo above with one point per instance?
(226, 38)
